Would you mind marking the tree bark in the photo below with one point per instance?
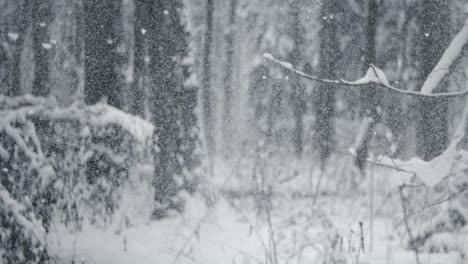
(432, 125)
(325, 104)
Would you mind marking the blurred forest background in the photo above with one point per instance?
(178, 93)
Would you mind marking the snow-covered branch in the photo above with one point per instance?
(449, 60)
(373, 76)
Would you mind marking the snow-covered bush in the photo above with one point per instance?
(70, 163)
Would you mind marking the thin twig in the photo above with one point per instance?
(453, 196)
(238, 210)
(408, 229)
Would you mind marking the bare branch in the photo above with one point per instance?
(435, 203)
(408, 229)
(361, 83)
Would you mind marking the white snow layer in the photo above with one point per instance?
(102, 114)
(373, 75)
(17, 108)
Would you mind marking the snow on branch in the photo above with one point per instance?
(373, 76)
(32, 228)
(434, 171)
(430, 172)
(449, 60)
(100, 115)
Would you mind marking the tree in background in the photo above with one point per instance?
(79, 47)
(18, 36)
(228, 75)
(41, 19)
(325, 104)
(207, 96)
(297, 89)
(100, 43)
(141, 26)
(369, 100)
(172, 105)
(434, 37)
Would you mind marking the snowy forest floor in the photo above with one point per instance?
(236, 228)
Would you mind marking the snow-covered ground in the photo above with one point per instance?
(194, 237)
(233, 231)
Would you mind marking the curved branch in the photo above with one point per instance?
(360, 83)
(450, 59)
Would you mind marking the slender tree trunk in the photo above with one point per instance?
(297, 88)
(79, 51)
(141, 27)
(228, 76)
(325, 104)
(432, 125)
(41, 19)
(101, 78)
(24, 14)
(369, 100)
(207, 97)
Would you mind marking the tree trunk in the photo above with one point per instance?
(228, 76)
(172, 104)
(80, 46)
(369, 100)
(142, 17)
(207, 97)
(325, 106)
(41, 19)
(297, 88)
(101, 78)
(432, 125)
(24, 14)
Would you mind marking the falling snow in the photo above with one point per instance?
(246, 132)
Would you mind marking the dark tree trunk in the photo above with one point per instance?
(142, 25)
(172, 104)
(432, 125)
(101, 78)
(41, 19)
(24, 14)
(325, 104)
(369, 100)
(297, 96)
(207, 97)
(228, 76)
